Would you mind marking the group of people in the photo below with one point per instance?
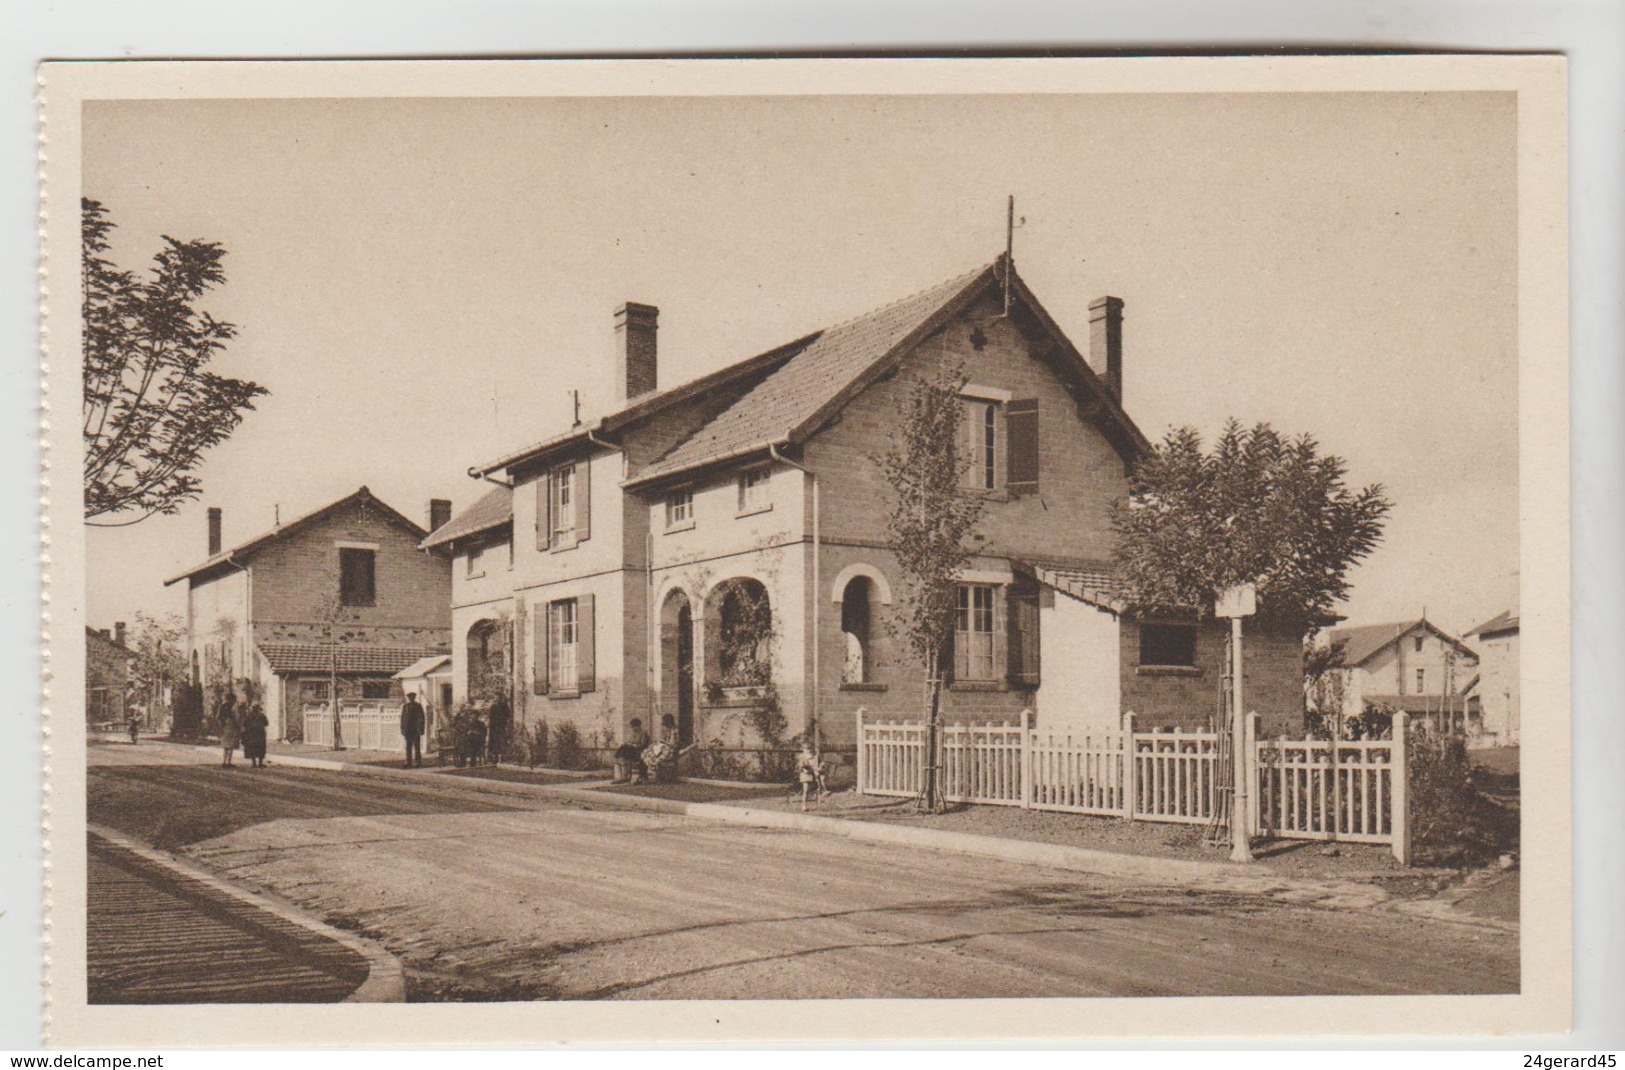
(245, 726)
(475, 738)
(639, 759)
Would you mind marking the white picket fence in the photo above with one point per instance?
(368, 724)
(1300, 789)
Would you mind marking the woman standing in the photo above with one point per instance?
(255, 725)
(230, 728)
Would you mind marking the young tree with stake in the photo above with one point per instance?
(931, 519)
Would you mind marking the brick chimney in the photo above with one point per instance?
(439, 513)
(1106, 343)
(118, 632)
(214, 531)
(635, 327)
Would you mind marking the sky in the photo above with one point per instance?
(421, 283)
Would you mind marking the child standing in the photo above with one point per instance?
(809, 770)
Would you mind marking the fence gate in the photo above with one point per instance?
(367, 724)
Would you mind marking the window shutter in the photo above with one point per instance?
(544, 515)
(538, 647)
(1024, 635)
(1021, 426)
(583, 496)
(585, 641)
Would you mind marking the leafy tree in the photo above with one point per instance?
(151, 406)
(1259, 508)
(929, 528)
(159, 666)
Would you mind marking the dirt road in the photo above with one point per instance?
(487, 898)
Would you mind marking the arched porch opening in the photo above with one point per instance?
(677, 664)
(739, 635)
(489, 659)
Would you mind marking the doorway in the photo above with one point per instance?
(677, 663)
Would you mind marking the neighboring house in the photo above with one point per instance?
(341, 592)
(1498, 689)
(717, 552)
(1412, 666)
(429, 678)
(107, 675)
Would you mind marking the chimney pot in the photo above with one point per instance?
(635, 365)
(214, 531)
(439, 513)
(1106, 343)
(118, 632)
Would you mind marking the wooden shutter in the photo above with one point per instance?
(538, 648)
(1021, 430)
(583, 496)
(585, 641)
(1023, 622)
(544, 514)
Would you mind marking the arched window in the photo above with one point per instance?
(857, 660)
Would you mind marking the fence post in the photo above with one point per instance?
(862, 765)
(1254, 790)
(1130, 790)
(1400, 795)
(1027, 758)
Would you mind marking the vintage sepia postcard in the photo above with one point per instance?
(730, 551)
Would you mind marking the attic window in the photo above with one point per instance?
(357, 574)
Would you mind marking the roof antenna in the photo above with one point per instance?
(278, 508)
(575, 408)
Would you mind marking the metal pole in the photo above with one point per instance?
(1240, 833)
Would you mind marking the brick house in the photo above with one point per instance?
(1410, 665)
(342, 588)
(713, 549)
(1498, 688)
(107, 675)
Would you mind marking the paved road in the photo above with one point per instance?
(490, 898)
(157, 937)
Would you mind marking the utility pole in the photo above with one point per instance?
(1235, 603)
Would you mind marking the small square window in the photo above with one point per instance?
(1421, 681)
(1419, 644)
(753, 490)
(1168, 645)
(680, 508)
(476, 561)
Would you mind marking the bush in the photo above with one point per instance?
(1452, 822)
(566, 746)
(536, 744)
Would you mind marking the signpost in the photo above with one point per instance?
(1235, 603)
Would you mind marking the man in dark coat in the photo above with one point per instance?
(500, 718)
(412, 722)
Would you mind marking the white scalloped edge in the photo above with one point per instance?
(45, 576)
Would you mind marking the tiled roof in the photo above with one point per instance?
(243, 548)
(492, 510)
(809, 380)
(317, 657)
(1361, 643)
(1419, 703)
(1098, 585)
(1501, 622)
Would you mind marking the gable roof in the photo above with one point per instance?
(796, 399)
(493, 510)
(1363, 643)
(426, 666)
(94, 635)
(1501, 622)
(259, 542)
(799, 386)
